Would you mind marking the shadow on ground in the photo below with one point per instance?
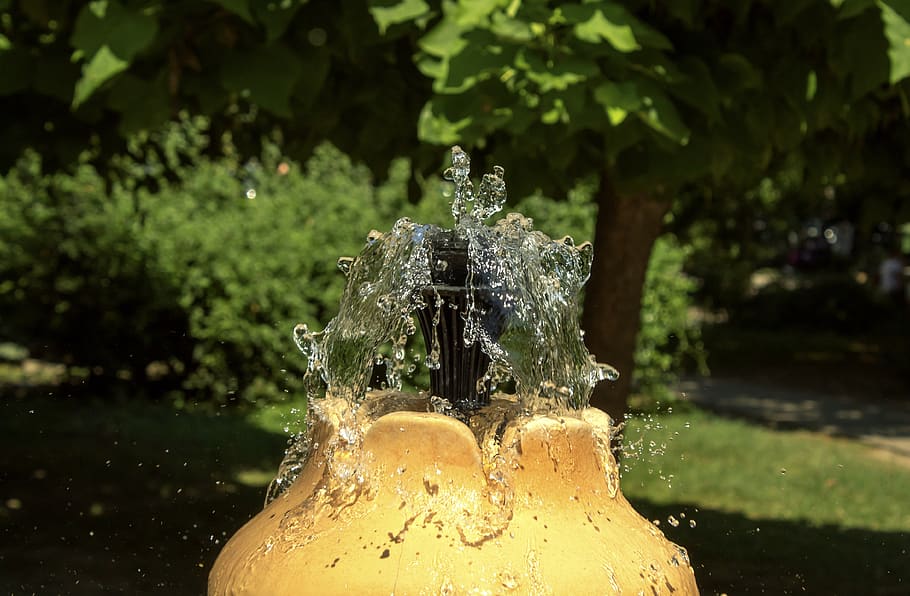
(732, 554)
(101, 497)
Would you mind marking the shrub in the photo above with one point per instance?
(79, 284)
(198, 263)
(249, 269)
(666, 341)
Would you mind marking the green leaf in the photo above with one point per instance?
(863, 53)
(106, 23)
(104, 65)
(267, 74)
(445, 39)
(207, 91)
(511, 29)
(477, 61)
(142, 104)
(433, 127)
(5, 43)
(736, 73)
(557, 113)
(472, 13)
(618, 99)
(659, 113)
(314, 70)
(897, 31)
(389, 12)
(811, 85)
(275, 17)
(610, 22)
(598, 27)
(241, 8)
(847, 9)
(555, 75)
(431, 67)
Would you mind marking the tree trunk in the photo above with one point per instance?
(626, 228)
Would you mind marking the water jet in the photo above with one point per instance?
(461, 488)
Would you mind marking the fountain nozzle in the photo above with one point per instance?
(461, 375)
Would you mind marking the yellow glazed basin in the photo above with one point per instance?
(414, 502)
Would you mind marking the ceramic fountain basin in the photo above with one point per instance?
(409, 502)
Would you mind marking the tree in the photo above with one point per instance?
(650, 99)
(654, 99)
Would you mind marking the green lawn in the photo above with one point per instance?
(101, 497)
(774, 512)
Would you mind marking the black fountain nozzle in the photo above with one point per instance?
(452, 297)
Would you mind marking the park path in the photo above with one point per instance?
(880, 423)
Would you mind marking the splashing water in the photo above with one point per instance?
(530, 277)
(528, 282)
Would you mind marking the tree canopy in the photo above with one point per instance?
(665, 94)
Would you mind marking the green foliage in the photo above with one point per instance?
(729, 239)
(255, 254)
(98, 72)
(203, 265)
(667, 340)
(670, 93)
(77, 279)
(200, 264)
(108, 36)
(674, 95)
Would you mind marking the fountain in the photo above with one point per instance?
(461, 489)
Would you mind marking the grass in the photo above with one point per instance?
(109, 497)
(775, 512)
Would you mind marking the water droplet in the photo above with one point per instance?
(345, 264)
(673, 521)
(692, 523)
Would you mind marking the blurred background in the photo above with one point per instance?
(178, 180)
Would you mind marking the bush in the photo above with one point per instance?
(79, 284)
(202, 265)
(666, 341)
